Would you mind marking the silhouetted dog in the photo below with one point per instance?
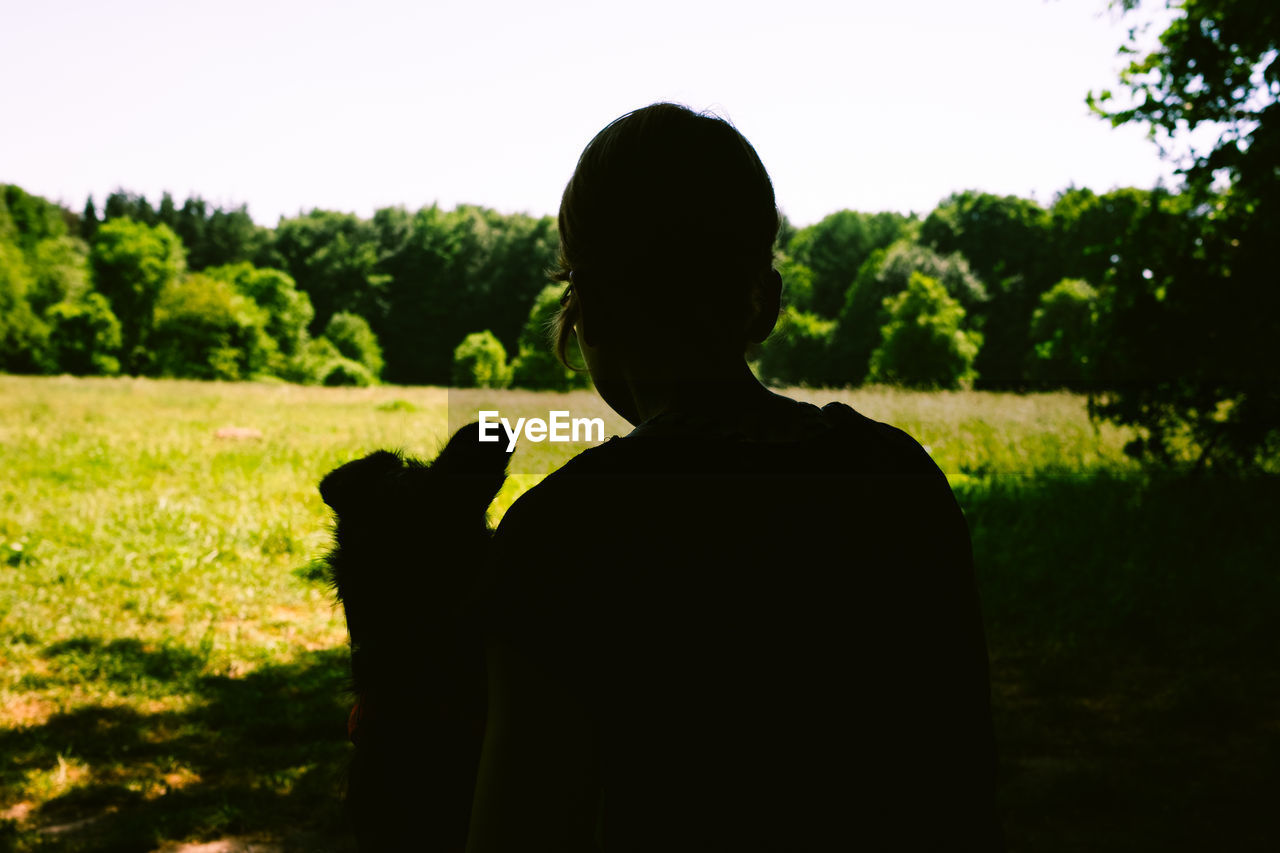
(411, 541)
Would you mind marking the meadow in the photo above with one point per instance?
(172, 667)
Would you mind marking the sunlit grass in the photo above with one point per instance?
(170, 668)
(126, 517)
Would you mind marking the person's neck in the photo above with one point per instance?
(726, 391)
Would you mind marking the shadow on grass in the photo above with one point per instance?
(261, 756)
(1135, 658)
(1136, 692)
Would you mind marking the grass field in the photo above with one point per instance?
(171, 671)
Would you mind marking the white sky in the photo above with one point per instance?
(352, 106)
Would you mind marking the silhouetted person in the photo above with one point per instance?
(750, 624)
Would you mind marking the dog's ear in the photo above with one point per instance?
(479, 467)
(467, 454)
(349, 486)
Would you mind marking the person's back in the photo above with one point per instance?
(777, 635)
(749, 624)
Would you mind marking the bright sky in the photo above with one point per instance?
(287, 106)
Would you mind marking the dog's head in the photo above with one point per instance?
(466, 475)
(409, 533)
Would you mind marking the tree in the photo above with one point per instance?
(798, 351)
(835, 248)
(1006, 241)
(23, 335)
(123, 204)
(132, 263)
(333, 258)
(425, 302)
(1000, 236)
(923, 345)
(32, 218)
(288, 309)
(89, 221)
(1062, 334)
(536, 367)
(480, 362)
(1212, 320)
(886, 274)
(352, 337)
(60, 269)
(84, 336)
(205, 329)
(456, 271)
(1092, 233)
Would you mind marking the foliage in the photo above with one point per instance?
(132, 263)
(1006, 241)
(833, 250)
(1001, 236)
(798, 351)
(344, 371)
(1062, 334)
(213, 236)
(1093, 233)
(1213, 68)
(205, 329)
(84, 336)
(319, 362)
(351, 335)
(923, 345)
(332, 257)
(885, 274)
(28, 219)
(288, 309)
(480, 362)
(536, 367)
(797, 281)
(60, 271)
(452, 272)
(313, 361)
(23, 335)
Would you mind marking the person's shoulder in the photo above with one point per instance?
(896, 450)
(558, 494)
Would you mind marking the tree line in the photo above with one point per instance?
(985, 291)
(989, 291)
(201, 291)
(1162, 306)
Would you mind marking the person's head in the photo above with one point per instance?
(666, 239)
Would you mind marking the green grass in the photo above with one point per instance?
(170, 670)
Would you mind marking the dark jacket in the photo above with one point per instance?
(778, 637)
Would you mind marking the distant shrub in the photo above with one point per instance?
(288, 309)
(84, 336)
(480, 362)
(205, 329)
(351, 334)
(536, 367)
(797, 353)
(1061, 334)
(885, 274)
(923, 345)
(344, 371)
(312, 361)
